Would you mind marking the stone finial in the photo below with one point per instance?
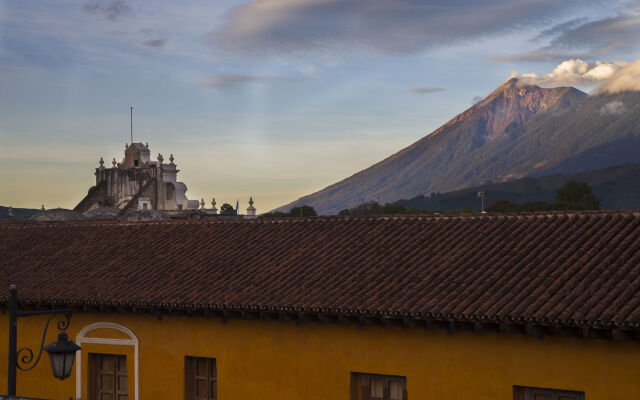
(114, 162)
(101, 162)
(171, 160)
(202, 204)
(213, 210)
(146, 145)
(42, 210)
(10, 211)
(160, 158)
(251, 211)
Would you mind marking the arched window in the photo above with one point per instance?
(130, 340)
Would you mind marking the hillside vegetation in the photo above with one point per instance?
(617, 187)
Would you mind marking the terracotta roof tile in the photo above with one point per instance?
(575, 269)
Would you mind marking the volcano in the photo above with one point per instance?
(518, 130)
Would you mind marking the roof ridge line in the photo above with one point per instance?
(436, 216)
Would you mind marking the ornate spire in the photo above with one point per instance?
(101, 162)
(171, 160)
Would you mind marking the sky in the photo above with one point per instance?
(272, 99)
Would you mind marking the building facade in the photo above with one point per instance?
(537, 306)
(139, 183)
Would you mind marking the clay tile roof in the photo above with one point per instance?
(574, 269)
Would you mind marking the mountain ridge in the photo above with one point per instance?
(440, 160)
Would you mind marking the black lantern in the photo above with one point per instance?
(62, 353)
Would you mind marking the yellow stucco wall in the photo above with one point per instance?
(276, 360)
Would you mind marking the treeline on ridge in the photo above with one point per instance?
(572, 196)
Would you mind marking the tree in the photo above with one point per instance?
(393, 209)
(503, 206)
(576, 196)
(303, 211)
(345, 212)
(369, 208)
(274, 214)
(227, 209)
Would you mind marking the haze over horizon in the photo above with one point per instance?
(273, 99)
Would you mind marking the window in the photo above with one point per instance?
(378, 387)
(108, 377)
(200, 382)
(532, 393)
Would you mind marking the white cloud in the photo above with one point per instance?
(573, 73)
(628, 78)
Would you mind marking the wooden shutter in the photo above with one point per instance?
(201, 381)
(108, 378)
(377, 387)
(396, 389)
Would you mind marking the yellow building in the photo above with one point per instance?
(540, 307)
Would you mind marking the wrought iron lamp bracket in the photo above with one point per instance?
(62, 325)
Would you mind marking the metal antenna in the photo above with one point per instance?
(131, 124)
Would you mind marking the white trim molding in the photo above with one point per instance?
(132, 341)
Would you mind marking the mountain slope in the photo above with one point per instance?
(618, 187)
(440, 161)
(517, 131)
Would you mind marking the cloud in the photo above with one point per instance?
(572, 73)
(628, 78)
(424, 90)
(112, 11)
(225, 80)
(560, 29)
(613, 108)
(380, 26)
(594, 38)
(155, 43)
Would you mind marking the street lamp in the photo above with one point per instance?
(61, 353)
